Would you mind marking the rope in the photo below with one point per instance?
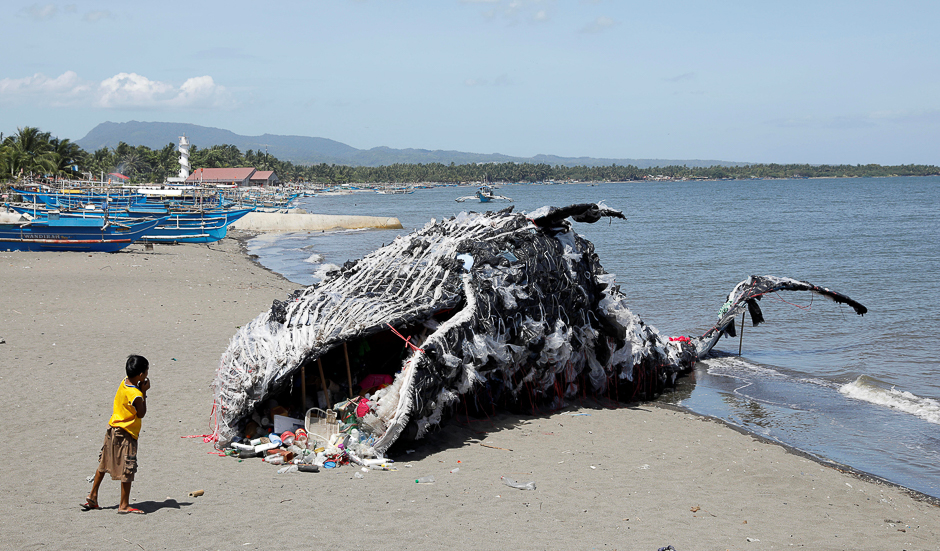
(407, 340)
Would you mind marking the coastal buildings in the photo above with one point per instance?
(241, 177)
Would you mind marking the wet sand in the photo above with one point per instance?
(640, 477)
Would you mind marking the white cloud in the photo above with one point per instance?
(98, 15)
(65, 89)
(40, 12)
(130, 90)
(122, 91)
(47, 12)
(513, 11)
(202, 92)
(600, 24)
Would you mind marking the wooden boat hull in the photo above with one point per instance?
(72, 235)
(181, 227)
(207, 228)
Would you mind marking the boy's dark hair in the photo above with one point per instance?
(136, 365)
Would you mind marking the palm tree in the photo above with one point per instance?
(31, 152)
(66, 156)
(100, 161)
(132, 163)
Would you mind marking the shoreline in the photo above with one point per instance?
(639, 476)
(834, 465)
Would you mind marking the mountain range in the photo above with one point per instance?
(308, 150)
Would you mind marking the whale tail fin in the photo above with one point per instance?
(747, 294)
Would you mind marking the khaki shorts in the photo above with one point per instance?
(118, 455)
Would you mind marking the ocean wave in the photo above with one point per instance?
(314, 258)
(323, 270)
(737, 367)
(866, 389)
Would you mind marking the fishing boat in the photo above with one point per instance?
(206, 226)
(396, 190)
(52, 233)
(80, 199)
(203, 227)
(485, 195)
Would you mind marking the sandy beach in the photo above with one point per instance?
(607, 476)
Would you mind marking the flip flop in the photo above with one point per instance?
(90, 504)
(131, 510)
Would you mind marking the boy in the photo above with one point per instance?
(119, 452)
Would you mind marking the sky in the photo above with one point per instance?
(820, 81)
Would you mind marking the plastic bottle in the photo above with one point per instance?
(261, 448)
(425, 480)
(518, 485)
(455, 470)
(274, 459)
(358, 475)
(287, 469)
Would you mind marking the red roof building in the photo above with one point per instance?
(264, 178)
(230, 176)
(233, 176)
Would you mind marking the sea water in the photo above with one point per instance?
(858, 391)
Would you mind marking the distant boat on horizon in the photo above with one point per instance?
(485, 195)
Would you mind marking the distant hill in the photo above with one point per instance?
(309, 150)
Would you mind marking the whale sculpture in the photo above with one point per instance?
(494, 308)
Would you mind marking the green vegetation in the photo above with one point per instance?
(31, 154)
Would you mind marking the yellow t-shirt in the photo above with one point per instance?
(125, 415)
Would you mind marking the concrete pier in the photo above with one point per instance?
(290, 222)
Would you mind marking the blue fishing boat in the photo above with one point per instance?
(205, 227)
(53, 233)
(80, 199)
(175, 227)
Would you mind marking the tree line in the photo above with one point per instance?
(31, 154)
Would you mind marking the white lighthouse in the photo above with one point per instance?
(184, 162)
(184, 158)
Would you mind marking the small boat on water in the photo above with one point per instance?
(53, 233)
(398, 190)
(485, 195)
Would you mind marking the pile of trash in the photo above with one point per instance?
(329, 439)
